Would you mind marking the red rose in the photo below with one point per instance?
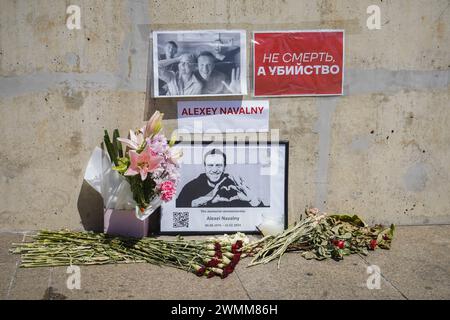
(340, 244)
(227, 270)
(236, 258)
(373, 244)
(224, 274)
(230, 268)
(200, 271)
(213, 262)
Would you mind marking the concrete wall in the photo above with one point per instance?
(382, 150)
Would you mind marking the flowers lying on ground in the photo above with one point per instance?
(149, 163)
(320, 236)
(233, 238)
(208, 258)
(224, 256)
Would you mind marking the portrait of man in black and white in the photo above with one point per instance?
(198, 63)
(217, 186)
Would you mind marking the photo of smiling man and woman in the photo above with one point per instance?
(199, 63)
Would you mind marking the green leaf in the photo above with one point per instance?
(346, 251)
(346, 236)
(384, 245)
(122, 166)
(308, 255)
(110, 148)
(355, 220)
(391, 232)
(117, 144)
(335, 229)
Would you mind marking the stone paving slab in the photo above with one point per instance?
(8, 261)
(418, 264)
(30, 284)
(417, 267)
(144, 281)
(298, 278)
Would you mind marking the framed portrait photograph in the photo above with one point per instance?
(199, 63)
(228, 187)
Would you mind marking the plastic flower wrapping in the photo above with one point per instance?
(140, 176)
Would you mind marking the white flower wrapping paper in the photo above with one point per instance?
(113, 187)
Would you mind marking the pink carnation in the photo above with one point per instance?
(167, 190)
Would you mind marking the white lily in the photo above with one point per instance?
(173, 155)
(154, 124)
(136, 139)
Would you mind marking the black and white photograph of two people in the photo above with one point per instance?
(199, 63)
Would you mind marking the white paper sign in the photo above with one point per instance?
(223, 116)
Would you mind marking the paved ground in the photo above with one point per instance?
(417, 267)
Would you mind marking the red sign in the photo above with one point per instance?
(298, 63)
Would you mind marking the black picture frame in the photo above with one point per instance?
(283, 143)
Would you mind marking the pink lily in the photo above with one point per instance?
(154, 125)
(143, 163)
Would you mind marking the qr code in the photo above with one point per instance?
(181, 219)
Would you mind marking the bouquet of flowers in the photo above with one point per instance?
(149, 164)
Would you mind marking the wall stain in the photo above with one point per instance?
(416, 177)
(361, 143)
(440, 30)
(412, 142)
(76, 172)
(73, 60)
(41, 26)
(11, 169)
(380, 97)
(75, 144)
(41, 129)
(73, 100)
(325, 8)
(42, 23)
(130, 67)
(409, 118)
(52, 294)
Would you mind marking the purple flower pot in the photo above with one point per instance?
(124, 223)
